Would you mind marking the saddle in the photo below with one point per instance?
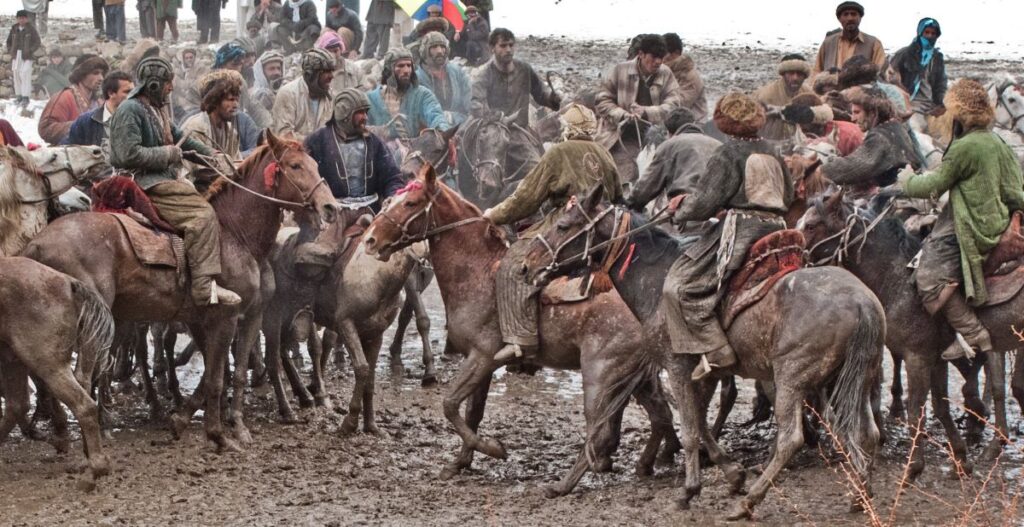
(153, 240)
(1004, 265)
(151, 246)
(769, 259)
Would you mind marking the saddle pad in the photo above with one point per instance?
(768, 260)
(151, 247)
(565, 290)
(1005, 257)
(1004, 287)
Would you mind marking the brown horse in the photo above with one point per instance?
(598, 337)
(93, 248)
(838, 348)
(40, 336)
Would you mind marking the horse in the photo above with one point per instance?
(483, 153)
(1007, 96)
(597, 337)
(881, 252)
(94, 248)
(64, 318)
(32, 181)
(774, 339)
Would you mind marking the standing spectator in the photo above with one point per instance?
(922, 70)
(186, 72)
(97, 18)
(80, 97)
(379, 20)
(147, 18)
(54, 77)
(38, 12)
(114, 11)
(691, 86)
(484, 6)
(339, 16)
(167, 18)
(474, 37)
(299, 26)
(22, 43)
(840, 46)
(245, 10)
(208, 19)
(91, 127)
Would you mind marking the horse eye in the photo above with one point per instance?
(409, 204)
(295, 166)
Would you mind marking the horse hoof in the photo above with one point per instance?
(325, 403)
(428, 381)
(736, 477)
(739, 511)
(289, 418)
(448, 472)
(992, 451)
(348, 426)
(644, 470)
(553, 491)
(178, 425)
(227, 445)
(492, 447)
(86, 484)
(397, 370)
(61, 445)
(371, 428)
(242, 435)
(306, 403)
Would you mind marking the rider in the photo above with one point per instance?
(985, 186)
(569, 168)
(400, 107)
(748, 179)
(445, 79)
(144, 141)
(304, 104)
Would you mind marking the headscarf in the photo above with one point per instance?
(228, 53)
(328, 39)
(927, 47)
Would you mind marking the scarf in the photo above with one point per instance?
(295, 5)
(927, 50)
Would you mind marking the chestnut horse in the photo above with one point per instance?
(599, 337)
(93, 248)
(838, 348)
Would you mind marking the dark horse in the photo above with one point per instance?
(599, 337)
(839, 347)
(93, 248)
(880, 258)
(484, 144)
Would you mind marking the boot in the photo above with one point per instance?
(513, 351)
(723, 357)
(966, 323)
(206, 292)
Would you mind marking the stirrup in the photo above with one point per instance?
(220, 295)
(702, 370)
(959, 349)
(508, 352)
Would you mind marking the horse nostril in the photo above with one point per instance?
(523, 270)
(369, 241)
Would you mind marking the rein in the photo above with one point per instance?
(1014, 118)
(409, 237)
(307, 196)
(842, 252)
(589, 230)
(45, 177)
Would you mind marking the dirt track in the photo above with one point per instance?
(308, 474)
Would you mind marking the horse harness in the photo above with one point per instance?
(846, 238)
(409, 237)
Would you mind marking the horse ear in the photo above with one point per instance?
(593, 198)
(834, 202)
(427, 175)
(273, 142)
(450, 133)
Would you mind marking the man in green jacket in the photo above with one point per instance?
(569, 168)
(144, 142)
(985, 187)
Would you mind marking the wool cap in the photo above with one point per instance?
(968, 101)
(739, 115)
(846, 6)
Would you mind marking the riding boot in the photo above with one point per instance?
(723, 357)
(966, 323)
(206, 292)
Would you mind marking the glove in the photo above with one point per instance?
(192, 157)
(798, 113)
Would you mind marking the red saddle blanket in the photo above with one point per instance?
(118, 194)
(768, 260)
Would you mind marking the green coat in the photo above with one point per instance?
(569, 168)
(985, 186)
(137, 145)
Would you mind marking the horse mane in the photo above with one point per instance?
(492, 230)
(12, 235)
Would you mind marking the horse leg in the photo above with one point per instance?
(316, 353)
(259, 369)
(66, 389)
(61, 439)
(679, 368)
(294, 378)
(896, 409)
(372, 349)
(219, 335)
(995, 374)
(661, 413)
(473, 371)
(327, 341)
(350, 336)
(1017, 379)
(940, 406)
(404, 317)
(423, 328)
(272, 335)
(726, 401)
(732, 470)
(170, 339)
(248, 337)
(789, 440)
(156, 411)
(474, 414)
(15, 393)
(969, 369)
(332, 342)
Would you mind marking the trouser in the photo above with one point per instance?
(693, 288)
(517, 298)
(245, 12)
(115, 22)
(209, 25)
(624, 153)
(939, 265)
(305, 39)
(376, 43)
(39, 19)
(97, 15)
(180, 204)
(167, 23)
(22, 71)
(147, 19)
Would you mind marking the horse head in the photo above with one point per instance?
(431, 146)
(81, 163)
(1010, 106)
(73, 200)
(487, 153)
(409, 212)
(289, 175)
(824, 220)
(569, 243)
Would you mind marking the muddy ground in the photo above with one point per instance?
(309, 474)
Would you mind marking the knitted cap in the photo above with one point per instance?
(846, 6)
(316, 60)
(739, 115)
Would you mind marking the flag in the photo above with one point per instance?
(452, 10)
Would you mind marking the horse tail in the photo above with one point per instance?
(615, 397)
(850, 403)
(95, 333)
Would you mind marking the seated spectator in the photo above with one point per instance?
(299, 26)
(91, 127)
(474, 37)
(339, 16)
(54, 77)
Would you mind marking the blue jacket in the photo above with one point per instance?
(382, 174)
(87, 129)
(460, 96)
(419, 106)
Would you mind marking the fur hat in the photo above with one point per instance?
(86, 64)
(825, 82)
(968, 102)
(857, 70)
(739, 115)
(472, 9)
(216, 85)
(846, 6)
(806, 99)
(795, 63)
(432, 24)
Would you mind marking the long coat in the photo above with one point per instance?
(459, 82)
(293, 115)
(382, 175)
(137, 144)
(419, 106)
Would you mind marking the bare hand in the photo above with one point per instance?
(458, 36)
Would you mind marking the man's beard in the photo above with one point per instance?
(275, 84)
(438, 61)
(403, 84)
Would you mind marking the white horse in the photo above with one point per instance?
(1007, 96)
(30, 180)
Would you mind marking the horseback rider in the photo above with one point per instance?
(144, 141)
(400, 107)
(304, 104)
(445, 79)
(569, 168)
(748, 179)
(985, 187)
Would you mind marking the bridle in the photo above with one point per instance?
(307, 196)
(418, 154)
(476, 164)
(847, 240)
(409, 236)
(1000, 101)
(44, 176)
